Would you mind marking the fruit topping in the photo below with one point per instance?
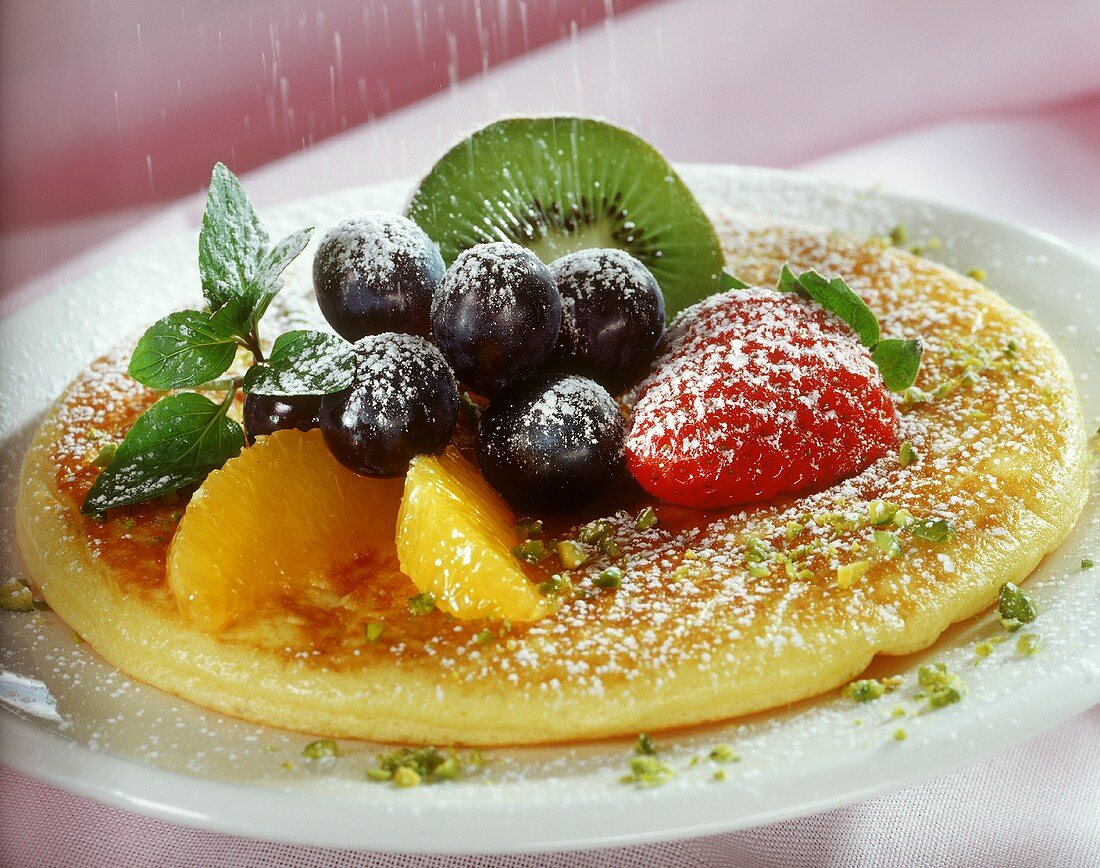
(403, 402)
(496, 316)
(553, 444)
(274, 521)
(266, 414)
(613, 316)
(454, 541)
(562, 184)
(376, 272)
(756, 394)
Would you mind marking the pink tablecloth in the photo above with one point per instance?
(1036, 160)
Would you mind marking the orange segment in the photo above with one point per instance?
(454, 540)
(274, 521)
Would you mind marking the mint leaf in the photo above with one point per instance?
(788, 282)
(303, 363)
(231, 241)
(188, 348)
(175, 443)
(837, 297)
(898, 361)
(268, 279)
(728, 281)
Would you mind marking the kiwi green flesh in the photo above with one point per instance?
(561, 184)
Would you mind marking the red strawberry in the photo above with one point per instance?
(757, 393)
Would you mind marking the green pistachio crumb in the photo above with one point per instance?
(913, 396)
(1087, 563)
(530, 551)
(984, 649)
(848, 574)
(556, 586)
(907, 454)
(422, 604)
(977, 274)
(646, 519)
(105, 455)
(374, 630)
(793, 529)
(406, 777)
(483, 636)
(899, 734)
(899, 235)
(888, 543)
(326, 747)
(723, 753)
(287, 766)
(610, 549)
(647, 771)
(720, 775)
(595, 531)
(759, 571)
(448, 769)
(941, 688)
(16, 597)
(1015, 607)
(879, 512)
(1027, 644)
(897, 711)
(612, 577)
(864, 690)
(379, 775)
(937, 530)
(529, 528)
(573, 554)
(645, 745)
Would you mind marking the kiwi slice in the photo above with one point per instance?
(562, 184)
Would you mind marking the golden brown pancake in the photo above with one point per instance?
(691, 636)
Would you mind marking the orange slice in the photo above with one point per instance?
(455, 538)
(273, 521)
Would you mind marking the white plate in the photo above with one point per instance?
(87, 728)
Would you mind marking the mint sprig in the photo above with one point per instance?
(303, 363)
(898, 360)
(183, 437)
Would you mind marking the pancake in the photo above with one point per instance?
(691, 636)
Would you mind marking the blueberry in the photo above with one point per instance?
(265, 414)
(553, 444)
(376, 272)
(496, 316)
(613, 316)
(403, 402)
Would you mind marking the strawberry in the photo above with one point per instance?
(757, 393)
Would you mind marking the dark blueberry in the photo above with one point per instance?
(553, 444)
(265, 414)
(496, 316)
(613, 316)
(376, 272)
(403, 403)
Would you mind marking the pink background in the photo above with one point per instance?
(988, 104)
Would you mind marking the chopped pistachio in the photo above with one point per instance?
(530, 551)
(647, 771)
(448, 769)
(483, 636)
(984, 649)
(374, 630)
(937, 530)
(529, 528)
(720, 775)
(892, 683)
(888, 543)
(422, 604)
(646, 519)
(940, 687)
(913, 396)
(1027, 644)
(903, 518)
(793, 529)
(556, 585)
(612, 577)
(759, 571)
(379, 775)
(977, 274)
(610, 549)
(848, 574)
(1087, 563)
(287, 766)
(757, 551)
(105, 455)
(899, 235)
(1015, 608)
(595, 531)
(16, 597)
(645, 745)
(907, 454)
(864, 690)
(406, 777)
(723, 753)
(880, 512)
(897, 711)
(322, 749)
(573, 554)
(899, 734)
